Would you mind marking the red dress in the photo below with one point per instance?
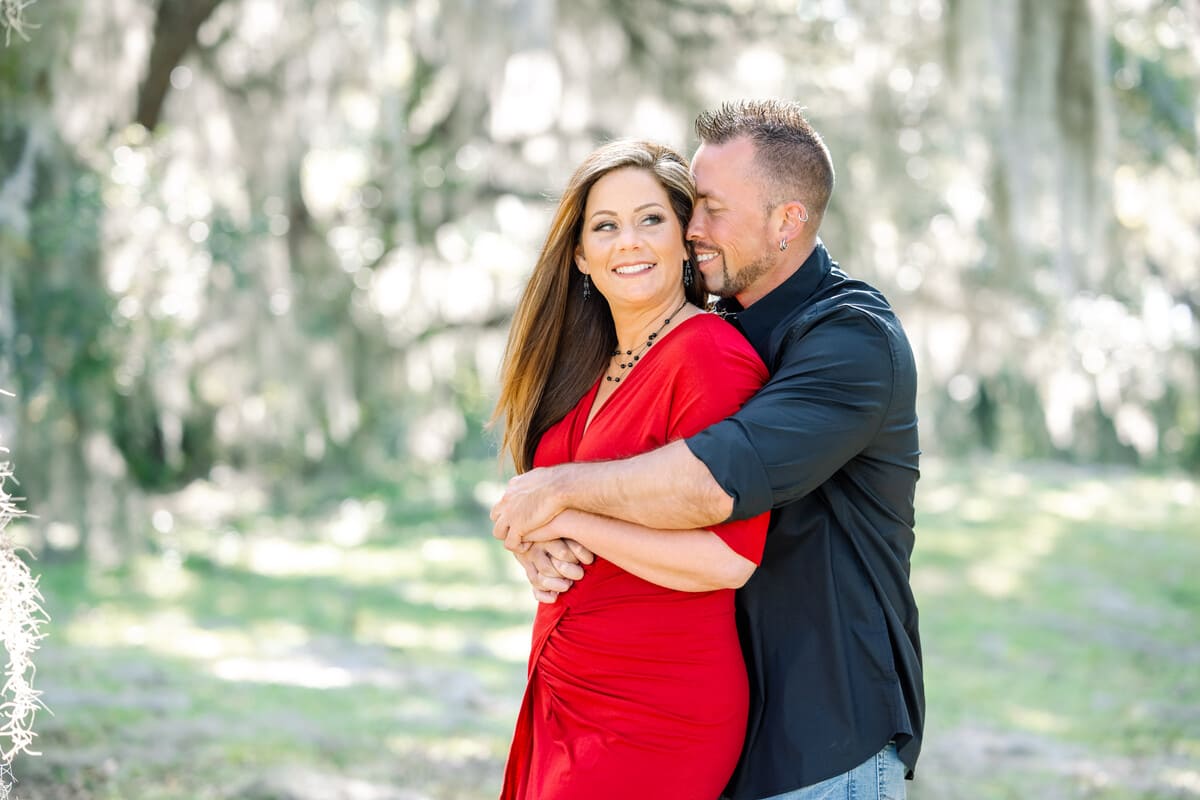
(636, 690)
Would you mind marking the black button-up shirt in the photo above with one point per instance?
(828, 622)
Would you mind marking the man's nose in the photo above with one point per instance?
(695, 228)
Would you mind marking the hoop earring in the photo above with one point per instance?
(687, 273)
(783, 244)
(587, 286)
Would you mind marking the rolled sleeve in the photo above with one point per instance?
(830, 390)
(734, 464)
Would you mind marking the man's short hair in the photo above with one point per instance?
(793, 161)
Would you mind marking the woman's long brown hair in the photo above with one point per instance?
(559, 342)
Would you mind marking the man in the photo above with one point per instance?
(828, 622)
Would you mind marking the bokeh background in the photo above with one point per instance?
(257, 261)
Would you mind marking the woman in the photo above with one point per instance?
(637, 687)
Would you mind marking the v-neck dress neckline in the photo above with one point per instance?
(590, 398)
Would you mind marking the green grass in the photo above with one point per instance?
(1061, 627)
(261, 650)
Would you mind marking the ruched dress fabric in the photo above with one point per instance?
(635, 690)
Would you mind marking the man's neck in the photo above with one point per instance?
(786, 268)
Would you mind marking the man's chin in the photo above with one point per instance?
(716, 287)
(712, 285)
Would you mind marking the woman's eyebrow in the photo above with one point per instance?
(643, 207)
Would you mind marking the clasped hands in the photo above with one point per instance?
(527, 520)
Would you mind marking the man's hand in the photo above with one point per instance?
(552, 567)
(530, 501)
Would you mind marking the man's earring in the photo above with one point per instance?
(687, 272)
(587, 286)
(783, 244)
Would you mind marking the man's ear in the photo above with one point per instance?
(795, 215)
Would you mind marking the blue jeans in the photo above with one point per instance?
(880, 777)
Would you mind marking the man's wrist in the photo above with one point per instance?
(564, 487)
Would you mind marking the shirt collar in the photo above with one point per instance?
(759, 320)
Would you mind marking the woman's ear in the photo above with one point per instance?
(580, 261)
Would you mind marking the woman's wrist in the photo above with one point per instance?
(567, 526)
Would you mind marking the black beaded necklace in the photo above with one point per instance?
(624, 365)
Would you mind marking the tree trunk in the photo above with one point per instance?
(175, 30)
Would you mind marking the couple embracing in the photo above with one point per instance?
(714, 506)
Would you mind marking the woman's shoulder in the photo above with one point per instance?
(705, 342)
(713, 370)
(711, 331)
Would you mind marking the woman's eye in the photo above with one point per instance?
(607, 225)
(652, 219)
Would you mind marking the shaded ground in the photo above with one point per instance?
(368, 650)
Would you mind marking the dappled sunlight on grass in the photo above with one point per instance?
(509, 644)
(409, 635)
(446, 747)
(276, 556)
(163, 578)
(296, 551)
(931, 581)
(1185, 780)
(937, 498)
(304, 671)
(470, 596)
(978, 509)
(1000, 573)
(1037, 720)
(206, 612)
(1082, 502)
(168, 631)
(939, 492)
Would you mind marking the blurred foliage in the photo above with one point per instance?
(285, 236)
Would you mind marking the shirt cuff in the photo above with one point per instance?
(734, 464)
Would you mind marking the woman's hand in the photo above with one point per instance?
(553, 565)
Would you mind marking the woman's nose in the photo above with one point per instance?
(628, 238)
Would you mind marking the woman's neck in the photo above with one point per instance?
(635, 326)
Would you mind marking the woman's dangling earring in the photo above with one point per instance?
(687, 272)
(587, 287)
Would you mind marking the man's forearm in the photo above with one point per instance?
(665, 488)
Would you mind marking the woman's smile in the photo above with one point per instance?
(634, 269)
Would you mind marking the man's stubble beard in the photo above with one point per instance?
(735, 285)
